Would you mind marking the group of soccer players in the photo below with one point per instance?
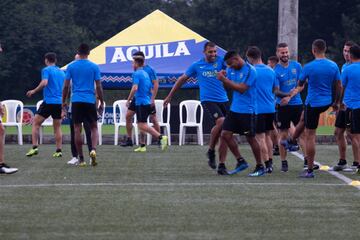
(81, 83)
(266, 100)
(266, 105)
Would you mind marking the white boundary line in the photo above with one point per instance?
(338, 175)
(163, 184)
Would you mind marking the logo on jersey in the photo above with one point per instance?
(216, 115)
(209, 74)
(293, 71)
(241, 75)
(215, 65)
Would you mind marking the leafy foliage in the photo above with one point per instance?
(30, 28)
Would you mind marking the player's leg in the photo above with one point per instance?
(87, 130)
(311, 121)
(284, 120)
(340, 129)
(74, 160)
(153, 118)
(129, 124)
(79, 142)
(217, 112)
(354, 116)
(55, 113)
(227, 140)
(58, 137)
(4, 168)
(261, 137)
(142, 112)
(38, 120)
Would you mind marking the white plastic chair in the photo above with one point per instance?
(47, 123)
(191, 108)
(99, 125)
(121, 121)
(159, 106)
(11, 107)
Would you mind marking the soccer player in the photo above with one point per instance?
(321, 74)
(289, 109)
(132, 108)
(340, 124)
(141, 89)
(351, 81)
(266, 86)
(4, 168)
(74, 160)
(52, 83)
(83, 75)
(213, 96)
(272, 61)
(240, 77)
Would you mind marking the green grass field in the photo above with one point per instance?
(171, 195)
(109, 129)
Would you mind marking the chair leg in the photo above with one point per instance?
(41, 135)
(200, 136)
(136, 130)
(148, 139)
(168, 132)
(20, 136)
(116, 135)
(180, 135)
(184, 136)
(100, 134)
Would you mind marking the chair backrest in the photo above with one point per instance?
(159, 106)
(120, 107)
(47, 121)
(191, 107)
(102, 117)
(11, 107)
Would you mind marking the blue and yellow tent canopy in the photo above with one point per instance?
(169, 47)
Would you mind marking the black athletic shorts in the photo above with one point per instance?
(215, 110)
(341, 119)
(241, 123)
(143, 112)
(312, 116)
(132, 107)
(83, 112)
(353, 120)
(287, 114)
(45, 110)
(264, 122)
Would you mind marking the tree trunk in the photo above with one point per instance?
(288, 25)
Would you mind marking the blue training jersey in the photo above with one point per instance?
(243, 102)
(321, 75)
(53, 90)
(350, 78)
(288, 78)
(152, 74)
(265, 83)
(142, 80)
(211, 89)
(83, 74)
